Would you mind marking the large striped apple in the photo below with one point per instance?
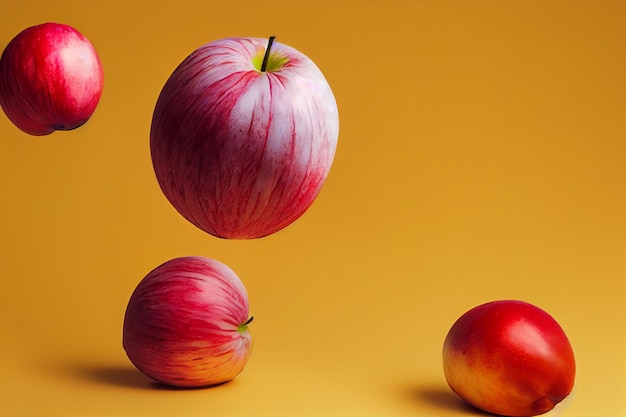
(50, 79)
(186, 323)
(509, 357)
(243, 136)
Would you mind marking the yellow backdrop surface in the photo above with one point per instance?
(482, 156)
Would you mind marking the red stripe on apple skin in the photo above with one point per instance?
(182, 323)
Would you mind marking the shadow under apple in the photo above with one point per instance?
(124, 376)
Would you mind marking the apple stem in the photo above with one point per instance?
(249, 321)
(267, 53)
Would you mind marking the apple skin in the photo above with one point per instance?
(51, 79)
(509, 357)
(239, 152)
(186, 323)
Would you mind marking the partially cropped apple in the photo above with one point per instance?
(243, 136)
(510, 358)
(186, 324)
(50, 79)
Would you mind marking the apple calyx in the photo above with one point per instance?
(244, 326)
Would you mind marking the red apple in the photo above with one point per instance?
(243, 136)
(186, 323)
(510, 358)
(50, 79)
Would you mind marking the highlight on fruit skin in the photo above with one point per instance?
(510, 358)
(186, 323)
(243, 140)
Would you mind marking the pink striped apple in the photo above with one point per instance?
(510, 358)
(186, 323)
(50, 79)
(243, 136)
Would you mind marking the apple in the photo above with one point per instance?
(243, 136)
(50, 79)
(186, 323)
(509, 357)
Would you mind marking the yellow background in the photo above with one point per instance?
(481, 156)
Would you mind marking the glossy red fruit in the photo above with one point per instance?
(509, 358)
(51, 79)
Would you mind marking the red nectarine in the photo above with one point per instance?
(510, 358)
